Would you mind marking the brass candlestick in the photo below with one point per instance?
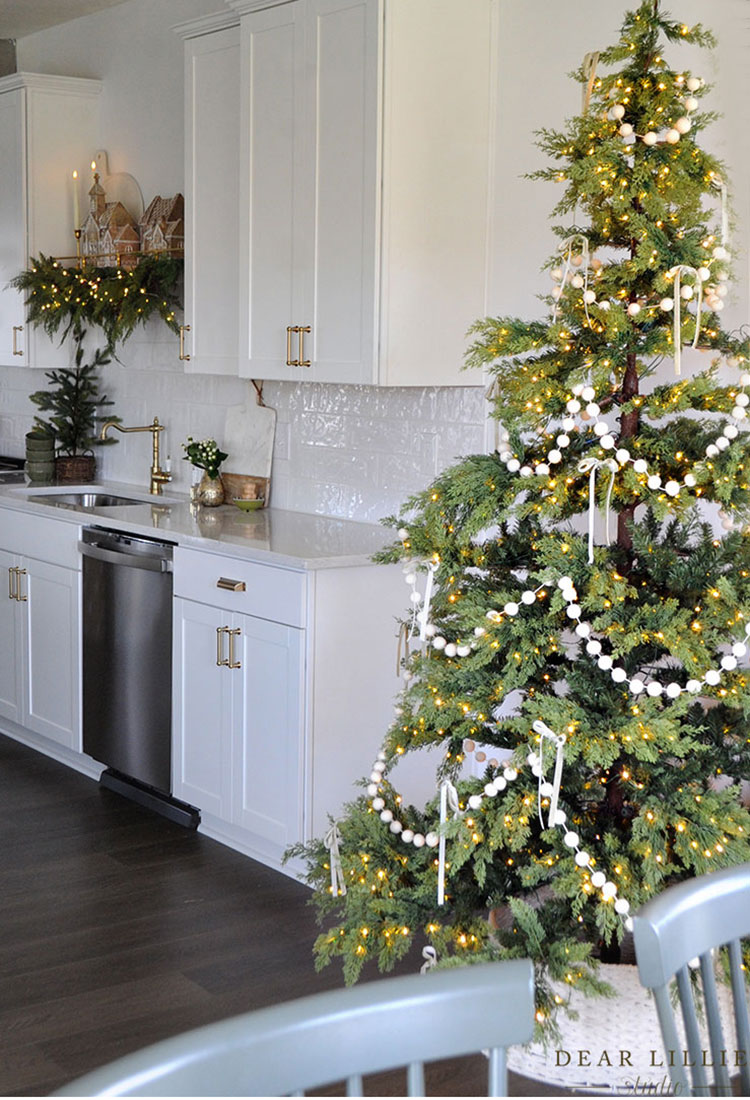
(77, 235)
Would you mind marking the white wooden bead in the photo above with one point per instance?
(636, 686)
(654, 689)
(729, 662)
(674, 690)
(713, 677)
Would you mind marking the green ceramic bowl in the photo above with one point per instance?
(248, 505)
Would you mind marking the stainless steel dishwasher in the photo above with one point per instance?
(127, 666)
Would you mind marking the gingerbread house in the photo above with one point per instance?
(109, 233)
(162, 225)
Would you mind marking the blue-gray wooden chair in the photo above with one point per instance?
(686, 922)
(338, 1036)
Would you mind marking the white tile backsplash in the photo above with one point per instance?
(354, 452)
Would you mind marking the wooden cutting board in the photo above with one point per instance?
(249, 432)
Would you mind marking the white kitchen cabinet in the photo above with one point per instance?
(40, 630)
(48, 128)
(11, 642)
(238, 746)
(212, 125)
(364, 187)
(269, 748)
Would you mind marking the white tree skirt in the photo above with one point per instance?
(615, 1044)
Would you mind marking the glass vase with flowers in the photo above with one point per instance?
(206, 455)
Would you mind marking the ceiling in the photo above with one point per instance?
(22, 17)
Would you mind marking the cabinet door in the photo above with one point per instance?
(212, 127)
(272, 148)
(269, 733)
(201, 767)
(341, 169)
(52, 647)
(12, 228)
(10, 641)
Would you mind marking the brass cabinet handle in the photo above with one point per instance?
(230, 585)
(183, 329)
(11, 586)
(232, 663)
(220, 659)
(20, 573)
(302, 330)
(16, 330)
(289, 361)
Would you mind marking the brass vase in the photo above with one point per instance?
(211, 491)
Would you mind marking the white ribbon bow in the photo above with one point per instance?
(724, 212)
(677, 272)
(545, 733)
(424, 614)
(429, 954)
(590, 61)
(570, 244)
(591, 466)
(331, 841)
(448, 800)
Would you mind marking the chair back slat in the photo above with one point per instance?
(692, 1030)
(715, 1030)
(415, 1079)
(739, 998)
(696, 918)
(341, 1035)
(498, 1072)
(677, 1074)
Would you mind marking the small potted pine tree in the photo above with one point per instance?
(73, 402)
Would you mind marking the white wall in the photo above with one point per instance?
(357, 451)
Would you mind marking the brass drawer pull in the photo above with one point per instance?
(16, 330)
(12, 587)
(289, 361)
(20, 573)
(220, 658)
(182, 356)
(232, 634)
(230, 585)
(302, 329)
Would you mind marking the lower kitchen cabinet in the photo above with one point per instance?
(238, 714)
(284, 688)
(39, 634)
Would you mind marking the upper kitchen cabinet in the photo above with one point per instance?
(49, 125)
(364, 187)
(212, 126)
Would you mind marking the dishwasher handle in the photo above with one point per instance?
(134, 561)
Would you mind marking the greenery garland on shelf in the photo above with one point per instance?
(61, 296)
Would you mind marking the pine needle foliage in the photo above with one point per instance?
(651, 778)
(116, 300)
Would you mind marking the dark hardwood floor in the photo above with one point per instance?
(119, 928)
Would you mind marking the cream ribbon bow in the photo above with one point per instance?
(558, 740)
(448, 800)
(332, 840)
(592, 466)
(677, 297)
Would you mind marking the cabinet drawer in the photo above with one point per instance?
(40, 537)
(265, 591)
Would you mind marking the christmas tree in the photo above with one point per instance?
(600, 685)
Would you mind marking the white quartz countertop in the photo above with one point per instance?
(293, 539)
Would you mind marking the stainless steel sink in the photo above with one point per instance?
(84, 500)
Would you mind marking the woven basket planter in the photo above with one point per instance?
(75, 468)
